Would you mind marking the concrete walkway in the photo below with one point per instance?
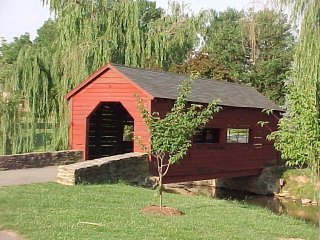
(27, 176)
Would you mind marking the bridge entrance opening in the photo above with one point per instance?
(109, 131)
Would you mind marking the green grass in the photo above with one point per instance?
(298, 188)
(52, 211)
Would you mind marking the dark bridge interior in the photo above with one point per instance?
(110, 131)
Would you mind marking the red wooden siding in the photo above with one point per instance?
(211, 160)
(204, 160)
(108, 87)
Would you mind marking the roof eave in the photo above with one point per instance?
(98, 73)
(87, 81)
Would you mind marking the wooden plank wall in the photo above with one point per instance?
(223, 160)
(109, 87)
(203, 161)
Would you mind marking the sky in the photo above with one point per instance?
(20, 16)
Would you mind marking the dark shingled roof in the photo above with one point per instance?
(165, 85)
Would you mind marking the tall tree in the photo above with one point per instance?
(9, 103)
(270, 64)
(202, 65)
(298, 137)
(10, 51)
(224, 40)
(171, 135)
(89, 34)
(8, 56)
(232, 37)
(47, 35)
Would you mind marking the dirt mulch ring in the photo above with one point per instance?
(165, 211)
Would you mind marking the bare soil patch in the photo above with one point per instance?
(164, 211)
(301, 180)
(9, 235)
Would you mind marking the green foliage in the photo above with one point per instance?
(224, 40)
(8, 113)
(8, 56)
(299, 133)
(10, 51)
(87, 34)
(84, 36)
(298, 137)
(232, 37)
(298, 182)
(203, 66)
(171, 135)
(274, 53)
(47, 35)
(10, 105)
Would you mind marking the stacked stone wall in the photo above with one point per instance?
(39, 159)
(129, 167)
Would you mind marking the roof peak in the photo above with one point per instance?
(161, 84)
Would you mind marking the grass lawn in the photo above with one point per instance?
(52, 211)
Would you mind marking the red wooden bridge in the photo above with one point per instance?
(103, 111)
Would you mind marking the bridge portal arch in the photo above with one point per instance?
(109, 130)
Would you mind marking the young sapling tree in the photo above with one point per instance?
(171, 135)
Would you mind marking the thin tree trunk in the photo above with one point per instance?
(160, 191)
(160, 170)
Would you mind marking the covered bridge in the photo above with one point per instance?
(103, 112)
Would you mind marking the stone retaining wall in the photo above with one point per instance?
(129, 167)
(39, 159)
(267, 183)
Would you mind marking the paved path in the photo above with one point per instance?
(29, 175)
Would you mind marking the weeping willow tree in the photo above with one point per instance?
(90, 34)
(298, 137)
